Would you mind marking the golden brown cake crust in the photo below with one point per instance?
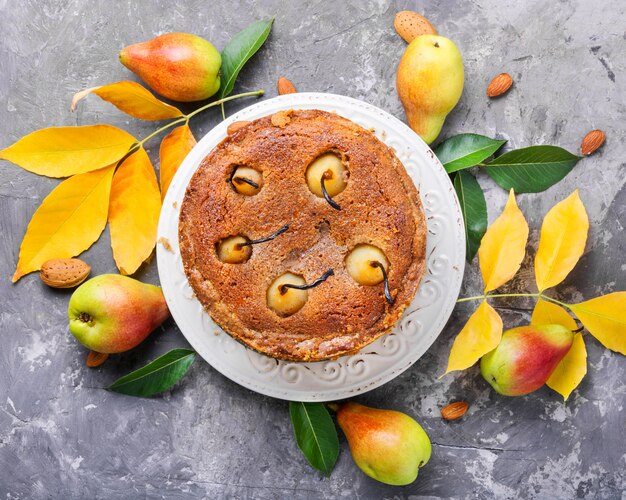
(380, 206)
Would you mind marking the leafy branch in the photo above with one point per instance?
(509, 295)
(561, 244)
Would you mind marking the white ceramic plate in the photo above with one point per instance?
(385, 358)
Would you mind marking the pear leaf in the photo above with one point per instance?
(532, 169)
(466, 150)
(605, 318)
(131, 98)
(174, 148)
(474, 208)
(67, 151)
(503, 247)
(134, 208)
(157, 376)
(68, 221)
(562, 242)
(548, 313)
(239, 50)
(571, 369)
(316, 434)
(480, 335)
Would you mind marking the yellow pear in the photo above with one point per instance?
(430, 83)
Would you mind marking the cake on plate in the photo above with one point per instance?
(303, 236)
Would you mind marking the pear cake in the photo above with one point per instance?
(303, 236)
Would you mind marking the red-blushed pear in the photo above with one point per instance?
(387, 445)
(525, 358)
(113, 313)
(179, 66)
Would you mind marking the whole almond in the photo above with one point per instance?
(285, 86)
(454, 410)
(96, 358)
(499, 85)
(64, 273)
(592, 141)
(410, 25)
(233, 127)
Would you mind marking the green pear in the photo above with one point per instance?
(525, 358)
(429, 82)
(387, 445)
(114, 313)
(179, 66)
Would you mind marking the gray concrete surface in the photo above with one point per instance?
(63, 436)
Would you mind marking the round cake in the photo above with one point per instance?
(303, 236)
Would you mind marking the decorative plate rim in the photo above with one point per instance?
(347, 375)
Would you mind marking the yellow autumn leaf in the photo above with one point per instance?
(68, 221)
(66, 151)
(131, 98)
(503, 247)
(174, 147)
(562, 242)
(605, 318)
(548, 313)
(571, 370)
(481, 334)
(134, 212)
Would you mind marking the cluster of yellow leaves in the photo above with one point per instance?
(561, 244)
(500, 256)
(110, 179)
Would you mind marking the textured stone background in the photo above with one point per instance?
(63, 436)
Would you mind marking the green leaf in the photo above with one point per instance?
(241, 47)
(474, 208)
(466, 150)
(157, 376)
(316, 434)
(533, 169)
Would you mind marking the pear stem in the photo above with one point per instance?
(550, 299)
(283, 288)
(503, 295)
(225, 99)
(185, 118)
(327, 197)
(497, 295)
(158, 131)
